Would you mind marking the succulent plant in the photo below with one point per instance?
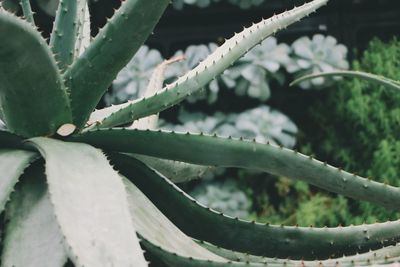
(250, 75)
(262, 124)
(178, 4)
(132, 80)
(319, 54)
(225, 197)
(192, 56)
(62, 199)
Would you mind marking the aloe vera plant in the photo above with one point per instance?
(79, 190)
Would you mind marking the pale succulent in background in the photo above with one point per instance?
(64, 200)
(251, 75)
(179, 4)
(253, 72)
(319, 54)
(132, 80)
(262, 124)
(225, 197)
(193, 55)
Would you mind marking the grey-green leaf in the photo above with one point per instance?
(176, 171)
(153, 225)
(212, 66)
(352, 74)
(90, 75)
(33, 99)
(33, 237)
(203, 223)
(27, 11)
(12, 165)
(227, 152)
(90, 203)
(173, 259)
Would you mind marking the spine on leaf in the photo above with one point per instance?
(212, 66)
(228, 152)
(93, 72)
(33, 99)
(64, 33)
(260, 239)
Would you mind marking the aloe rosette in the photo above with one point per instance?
(76, 186)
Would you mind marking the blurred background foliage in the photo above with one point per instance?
(348, 123)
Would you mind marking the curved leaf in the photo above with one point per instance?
(12, 165)
(90, 204)
(90, 75)
(352, 74)
(212, 66)
(153, 225)
(32, 99)
(175, 260)
(33, 237)
(176, 171)
(227, 152)
(64, 33)
(27, 10)
(382, 254)
(202, 223)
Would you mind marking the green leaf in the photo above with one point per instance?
(63, 36)
(27, 10)
(203, 223)
(33, 237)
(227, 152)
(90, 204)
(90, 75)
(153, 225)
(213, 65)
(83, 29)
(175, 260)
(177, 172)
(32, 98)
(352, 74)
(12, 165)
(379, 255)
(155, 84)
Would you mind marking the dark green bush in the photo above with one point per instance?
(357, 124)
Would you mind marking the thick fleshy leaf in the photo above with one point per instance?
(32, 99)
(153, 225)
(90, 204)
(173, 259)
(352, 74)
(203, 223)
(90, 75)
(63, 36)
(176, 171)
(374, 256)
(12, 165)
(227, 152)
(27, 10)
(33, 237)
(155, 84)
(83, 29)
(212, 66)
